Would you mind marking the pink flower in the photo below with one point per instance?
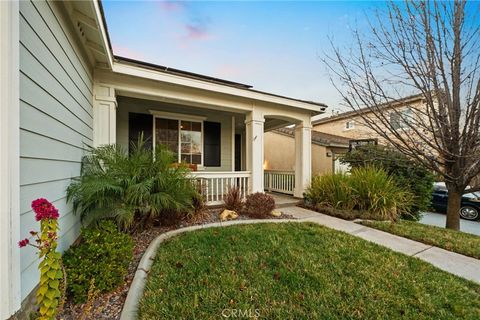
(44, 209)
(23, 243)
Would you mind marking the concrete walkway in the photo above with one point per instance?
(457, 264)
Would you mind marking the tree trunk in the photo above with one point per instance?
(453, 209)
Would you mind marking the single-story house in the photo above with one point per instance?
(63, 91)
(280, 154)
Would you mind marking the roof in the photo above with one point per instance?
(183, 73)
(196, 76)
(319, 138)
(349, 114)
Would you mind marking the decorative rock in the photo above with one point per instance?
(228, 215)
(276, 213)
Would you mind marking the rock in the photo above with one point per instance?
(276, 213)
(228, 215)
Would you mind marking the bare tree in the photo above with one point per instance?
(426, 47)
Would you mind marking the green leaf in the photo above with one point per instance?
(50, 294)
(42, 290)
(54, 284)
(51, 274)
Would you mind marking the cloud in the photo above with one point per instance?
(197, 32)
(127, 52)
(172, 6)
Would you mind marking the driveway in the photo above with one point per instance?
(438, 219)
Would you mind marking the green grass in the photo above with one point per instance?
(456, 241)
(297, 271)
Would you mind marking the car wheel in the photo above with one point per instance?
(469, 213)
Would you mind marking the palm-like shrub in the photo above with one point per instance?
(330, 190)
(130, 188)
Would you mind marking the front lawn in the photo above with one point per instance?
(297, 271)
(456, 241)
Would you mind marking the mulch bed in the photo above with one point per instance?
(109, 305)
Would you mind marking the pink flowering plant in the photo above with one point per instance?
(49, 293)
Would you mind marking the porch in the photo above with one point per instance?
(220, 131)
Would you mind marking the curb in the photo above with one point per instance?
(135, 292)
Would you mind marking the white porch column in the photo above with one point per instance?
(303, 158)
(104, 115)
(10, 283)
(254, 155)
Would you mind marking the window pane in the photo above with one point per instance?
(196, 159)
(196, 142)
(186, 158)
(196, 126)
(186, 136)
(186, 148)
(186, 125)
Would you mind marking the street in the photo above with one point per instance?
(438, 219)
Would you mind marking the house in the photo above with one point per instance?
(351, 124)
(280, 155)
(63, 91)
(333, 136)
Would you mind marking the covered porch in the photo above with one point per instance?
(216, 127)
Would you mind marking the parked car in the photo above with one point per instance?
(470, 206)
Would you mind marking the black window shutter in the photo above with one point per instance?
(139, 123)
(211, 144)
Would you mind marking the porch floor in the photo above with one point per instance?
(283, 200)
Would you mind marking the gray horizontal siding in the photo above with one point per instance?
(55, 121)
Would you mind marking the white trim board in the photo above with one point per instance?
(10, 297)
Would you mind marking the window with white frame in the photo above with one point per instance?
(182, 137)
(349, 124)
(400, 119)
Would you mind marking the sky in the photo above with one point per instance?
(275, 46)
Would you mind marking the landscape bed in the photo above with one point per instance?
(297, 271)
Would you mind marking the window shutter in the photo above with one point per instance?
(211, 144)
(139, 123)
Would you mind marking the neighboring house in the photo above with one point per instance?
(351, 125)
(62, 91)
(280, 151)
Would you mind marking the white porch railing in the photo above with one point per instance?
(214, 185)
(279, 181)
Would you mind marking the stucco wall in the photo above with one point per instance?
(55, 121)
(360, 130)
(279, 153)
(126, 105)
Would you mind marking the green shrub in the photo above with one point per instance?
(330, 190)
(128, 188)
(378, 193)
(367, 193)
(103, 255)
(405, 171)
(259, 205)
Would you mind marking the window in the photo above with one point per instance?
(350, 124)
(400, 119)
(183, 138)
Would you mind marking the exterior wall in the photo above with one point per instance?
(280, 154)
(360, 130)
(126, 105)
(55, 120)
